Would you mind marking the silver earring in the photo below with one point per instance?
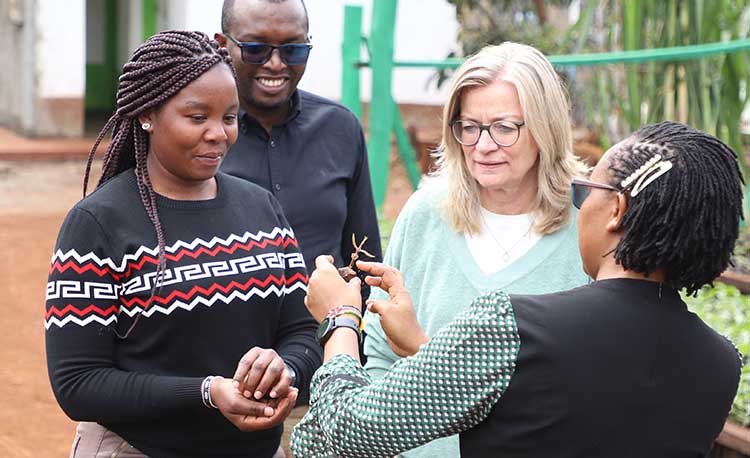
(146, 126)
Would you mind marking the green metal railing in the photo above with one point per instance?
(687, 52)
(384, 117)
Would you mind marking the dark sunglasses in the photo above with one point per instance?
(259, 53)
(581, 188)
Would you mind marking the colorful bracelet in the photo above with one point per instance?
(344, 308)
(347, 310)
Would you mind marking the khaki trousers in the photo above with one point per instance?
(95, 441)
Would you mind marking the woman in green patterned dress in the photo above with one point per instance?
(595, 371)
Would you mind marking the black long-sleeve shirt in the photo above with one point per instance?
(315, 164)
(235, 279)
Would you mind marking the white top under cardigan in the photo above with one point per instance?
(503, 240)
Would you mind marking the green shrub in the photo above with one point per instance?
(386, 226)
(741, 255)
(726, 310)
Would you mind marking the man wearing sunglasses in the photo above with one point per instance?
(306, 150)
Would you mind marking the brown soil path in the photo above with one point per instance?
(34, 198)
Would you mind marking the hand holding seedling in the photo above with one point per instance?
(327, 289)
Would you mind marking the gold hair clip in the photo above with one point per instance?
(646, 174)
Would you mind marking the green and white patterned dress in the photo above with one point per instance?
(449, 386)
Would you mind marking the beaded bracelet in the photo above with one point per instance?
(347, 310)
(206, 392)
(344, 308)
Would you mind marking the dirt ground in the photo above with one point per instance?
(34, 198)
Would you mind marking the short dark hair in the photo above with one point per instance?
(685, 222)
(227, 14)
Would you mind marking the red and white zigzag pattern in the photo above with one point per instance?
(85, 289)
(61, 261)
(118, 292)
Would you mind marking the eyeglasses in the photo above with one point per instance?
(503, 133)
(260, 53)
(581, 188)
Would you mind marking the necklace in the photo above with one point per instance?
(506, 253)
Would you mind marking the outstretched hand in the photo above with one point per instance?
(327, 290)
(397, 316)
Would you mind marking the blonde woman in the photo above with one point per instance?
(497, 213)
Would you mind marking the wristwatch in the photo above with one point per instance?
(326, 327)
(292, 373)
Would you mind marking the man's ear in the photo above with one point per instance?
(221, 39)
(619, 205)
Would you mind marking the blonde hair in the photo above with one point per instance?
(546, 111)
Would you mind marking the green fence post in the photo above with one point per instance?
(101, 77)
(631, 41)
(381, 102)
(405, 150)
(350, 48)
(149, 19)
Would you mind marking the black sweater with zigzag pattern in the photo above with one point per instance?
(235, 279)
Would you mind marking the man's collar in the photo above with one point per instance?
(295, 109)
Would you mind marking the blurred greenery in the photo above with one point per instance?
(741, 255)
(523, 21)
(486, 22)
(611, 101)
(727, 311)
(386, 226)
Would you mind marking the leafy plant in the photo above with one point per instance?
(727, 310)
(741, 255)
(708, 93)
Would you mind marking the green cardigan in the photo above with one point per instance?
(444, 279)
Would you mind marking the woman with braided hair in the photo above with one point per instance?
(615, 368)
(171, 284)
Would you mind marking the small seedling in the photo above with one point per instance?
(351, 271)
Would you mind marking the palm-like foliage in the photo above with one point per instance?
(708, 93)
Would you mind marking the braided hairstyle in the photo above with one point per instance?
(157, 70)
(687, 221)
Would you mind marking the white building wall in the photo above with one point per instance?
(60, 65)
(425, 30)
(18, 82)
(61, 48)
